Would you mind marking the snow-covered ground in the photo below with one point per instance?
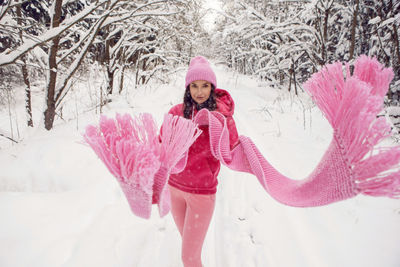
(60, 206)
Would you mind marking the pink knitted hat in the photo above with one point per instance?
(200, 69)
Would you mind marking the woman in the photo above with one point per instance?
(193, 190)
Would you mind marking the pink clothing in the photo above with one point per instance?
(351, 165)
(202, 168)
(192, 214)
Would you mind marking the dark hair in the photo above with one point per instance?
(188, 102)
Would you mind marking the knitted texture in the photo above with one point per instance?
(131, 150)
(331, 180)
(350, 165)
(200, 69)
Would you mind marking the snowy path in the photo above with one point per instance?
(60, 207)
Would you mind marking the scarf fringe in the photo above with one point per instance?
(351, 104)
(131, 150)
(177, 135)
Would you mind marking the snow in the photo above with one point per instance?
(388, 22)
(212, 11)
(374, 20)
(393, 111)
(60, 206)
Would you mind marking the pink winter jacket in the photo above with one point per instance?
(202, 168)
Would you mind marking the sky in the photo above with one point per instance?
(212, 6)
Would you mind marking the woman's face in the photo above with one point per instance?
(200, 91)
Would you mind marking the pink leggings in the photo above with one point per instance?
(192, 214)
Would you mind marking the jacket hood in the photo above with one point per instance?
(225, 104)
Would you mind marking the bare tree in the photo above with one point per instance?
(10, 57)
(50, 111)
(110, 13)
(353, 29)
(24, 71)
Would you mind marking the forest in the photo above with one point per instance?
(50, 45)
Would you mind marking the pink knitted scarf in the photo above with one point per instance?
(131, 150)
(350, 166)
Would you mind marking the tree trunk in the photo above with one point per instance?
(107, 60)
(294, 80)
(110, 77)
(28, 98)
(142, 78)
(395, 60)
(325, 37)
(50, 111)
(121, 81)
(396, 47)
(25, 74)
(54, 97)
(353, 30)
(291, 74)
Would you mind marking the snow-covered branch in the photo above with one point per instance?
(7, 5)
(9, 58)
